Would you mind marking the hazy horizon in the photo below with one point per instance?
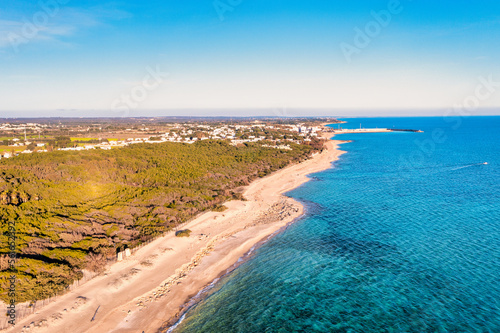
(245, 113)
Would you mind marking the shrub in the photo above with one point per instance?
(219, 208)
(183, 233)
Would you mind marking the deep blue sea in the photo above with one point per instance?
(401, 235)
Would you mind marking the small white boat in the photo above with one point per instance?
(485, 163)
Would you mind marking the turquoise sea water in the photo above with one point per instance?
(403, 235)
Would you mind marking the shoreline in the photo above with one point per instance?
(155, 285)
(170, 324)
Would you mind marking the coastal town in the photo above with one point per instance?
(27, 138)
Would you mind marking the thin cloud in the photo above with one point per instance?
(56, 26)
(466, 27)
(24, 77)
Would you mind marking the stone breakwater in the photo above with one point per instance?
(277, 212)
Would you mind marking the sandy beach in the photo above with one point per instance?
(149, 289)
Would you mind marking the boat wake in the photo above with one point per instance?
(469, 165)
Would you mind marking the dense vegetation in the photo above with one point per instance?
(75, 210)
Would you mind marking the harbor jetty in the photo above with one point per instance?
(369, 130)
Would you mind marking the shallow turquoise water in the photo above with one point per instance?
(401, 236)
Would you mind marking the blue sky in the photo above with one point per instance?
(78, 58)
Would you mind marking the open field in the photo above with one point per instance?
(10, 148)
(83, 139)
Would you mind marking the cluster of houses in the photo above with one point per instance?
(22, 127)
(190, 133)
